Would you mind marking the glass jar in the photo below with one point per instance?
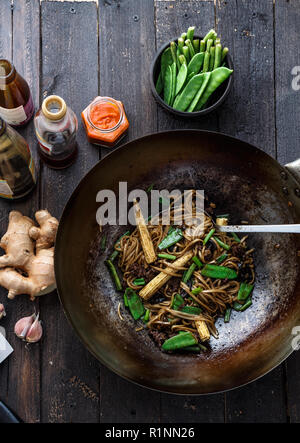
(16, 105)
(17, 171)
(105, 121)
(56, 127)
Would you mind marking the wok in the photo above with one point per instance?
(241, 180)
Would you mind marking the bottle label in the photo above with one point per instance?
(5, 190)
(46, 147)
(18, 116)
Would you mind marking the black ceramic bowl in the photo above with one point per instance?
(215, 100)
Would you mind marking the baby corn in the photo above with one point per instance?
(145, 237)
(157, 282)
(202, 330)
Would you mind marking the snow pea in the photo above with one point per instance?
(190, 33)
(174, 71)
(244, 291)
(209, 44)
(173, 47)
(196, 63)
(179, 341)
(210, 34)
(165, 61)
(202, 46)
(177, 302)
(181, 77)
(192, 106)
(159, 84)
(135, 304)
(206, 62)
(212, 58)
(180, 44)
(214, 271)
(196, 44)
(189, 93)
(168, 86)
(189, 77)
(224, 53)
(188, 43)
(186, 53)
(218, 56)
(182, 59)
(177, 98)
(218, 76)
(173, 237)
(191, 310)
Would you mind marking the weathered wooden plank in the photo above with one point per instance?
(5, 52)
(247, 29)
(127, 45)
(23, 378)
(287, 19)
(70, 375)
(24, 368)
(287, 67)
(173, 18)
(6, 29)
(262, 401)
(249, 114)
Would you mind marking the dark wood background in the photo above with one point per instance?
(80, 50)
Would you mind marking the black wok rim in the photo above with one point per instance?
(57, 271)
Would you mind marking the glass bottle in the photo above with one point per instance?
(17, 171)
(16, 105)
(56, 127)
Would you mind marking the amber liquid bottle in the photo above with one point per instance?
(16, 105)
(17, 171)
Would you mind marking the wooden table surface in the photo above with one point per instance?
(58, 49)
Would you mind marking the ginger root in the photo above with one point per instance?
(28, 263)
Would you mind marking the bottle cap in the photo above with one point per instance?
(54, 107)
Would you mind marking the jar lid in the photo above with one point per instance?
(54, 107)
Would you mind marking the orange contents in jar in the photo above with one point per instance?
(105, 115)
(105, 121)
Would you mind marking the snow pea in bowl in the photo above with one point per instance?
(194, 80)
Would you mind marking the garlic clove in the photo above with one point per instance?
(23, 326)
(2, 311)
(35, 331)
